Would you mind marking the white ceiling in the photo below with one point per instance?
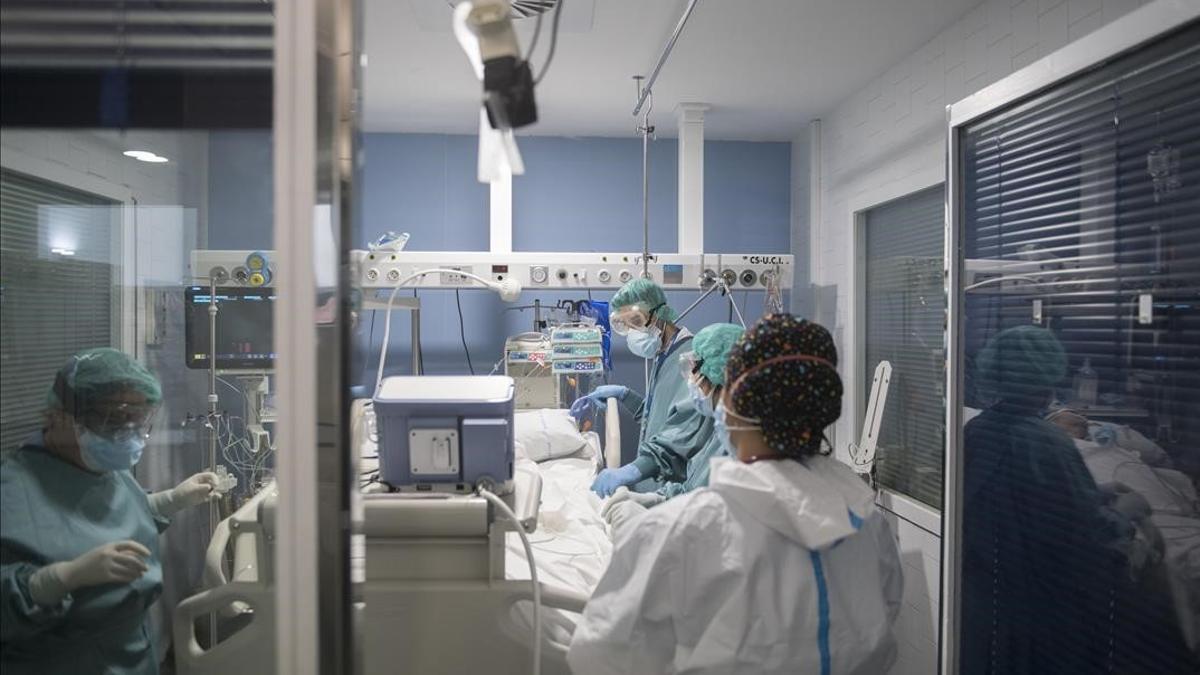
(765, 66)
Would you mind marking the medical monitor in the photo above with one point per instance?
(245, 340)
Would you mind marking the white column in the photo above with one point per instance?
(814, 201)
(691, 176)
(297, 632)
(500, 214)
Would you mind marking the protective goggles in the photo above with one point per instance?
(120, 420)
(631, 318)
(689, 366)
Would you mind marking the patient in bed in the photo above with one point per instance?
(1124, 462)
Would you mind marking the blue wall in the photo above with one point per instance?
(239, 190)
(578, 194)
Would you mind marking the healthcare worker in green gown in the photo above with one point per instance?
(703, 370)
(672, 429)
(78, 535)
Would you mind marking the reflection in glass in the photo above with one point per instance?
(134, 135)
(1081, 346)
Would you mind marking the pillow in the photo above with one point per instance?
(547, 433)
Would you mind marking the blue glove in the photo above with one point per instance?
(585, 405)
(610, 479)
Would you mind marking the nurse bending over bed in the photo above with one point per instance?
(672, 430)
(703, 370)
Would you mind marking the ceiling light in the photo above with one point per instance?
(145, 156)
(63, 251)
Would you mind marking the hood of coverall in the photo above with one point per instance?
(816, 503)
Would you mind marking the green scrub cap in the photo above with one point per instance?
(647, 295)
(712, 346)
(95, 374)
(1020, 362)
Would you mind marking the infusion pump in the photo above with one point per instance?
(534, 271)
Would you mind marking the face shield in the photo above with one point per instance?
(116, 420)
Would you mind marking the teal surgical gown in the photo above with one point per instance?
(697, 469)
(54, 511)
(672, 429)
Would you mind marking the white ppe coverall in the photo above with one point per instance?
(776, 567)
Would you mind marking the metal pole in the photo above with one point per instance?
(710, 291)
(662, 59)
(213, 400)
(646, 129)
(416, 340)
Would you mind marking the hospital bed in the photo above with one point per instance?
(443, 588)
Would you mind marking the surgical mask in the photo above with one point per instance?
(722, 431)
(702, 401)
(645, 343)
(722, 427)
(119, 453)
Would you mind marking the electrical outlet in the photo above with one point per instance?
(450, 279)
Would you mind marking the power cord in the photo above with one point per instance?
(553, 42)
(536, 642)
(387, 336)
(462, 331)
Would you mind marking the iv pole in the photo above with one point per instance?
(213, 404)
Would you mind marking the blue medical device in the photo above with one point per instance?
(447, 434)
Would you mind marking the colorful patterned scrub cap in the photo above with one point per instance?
(783, 372)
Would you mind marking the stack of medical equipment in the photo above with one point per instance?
(527, 360)
(577, 349)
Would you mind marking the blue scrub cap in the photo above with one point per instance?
(1020, 362)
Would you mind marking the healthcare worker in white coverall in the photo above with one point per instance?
(782, 565)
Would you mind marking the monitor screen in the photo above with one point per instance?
(245, 340)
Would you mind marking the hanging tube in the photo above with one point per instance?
(662, 59)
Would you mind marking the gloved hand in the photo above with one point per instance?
(197, 489)
(117, 563)
(624, 494)
(622, 516)
(610, 479)
(587, 404)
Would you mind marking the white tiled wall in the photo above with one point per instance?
(885, 141)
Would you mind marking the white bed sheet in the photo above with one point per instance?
(571, 545)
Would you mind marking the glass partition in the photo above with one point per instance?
(1081, 365)
(135, 180)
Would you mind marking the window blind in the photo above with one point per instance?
(904, 324)
(185, 34)
(1081, 215)
(52, 305)
(1085, 201)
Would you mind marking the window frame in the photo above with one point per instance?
(126, 336)
(904, 506)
